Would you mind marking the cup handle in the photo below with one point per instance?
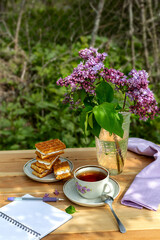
(107, 185)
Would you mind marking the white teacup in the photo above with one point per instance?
(91, 181)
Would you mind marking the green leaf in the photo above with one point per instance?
(82, 94)
(79, 94)
(75, 96)
(88, 101)
(19, 111)
(90, 120)
(43, 104)
(96, 127)
(84, 117)
(71, 209)
(4, 123)
(107, 117)
(86, 123)
(104, 92)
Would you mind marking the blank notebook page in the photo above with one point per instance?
(36, 215)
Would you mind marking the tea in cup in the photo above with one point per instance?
(92, 181)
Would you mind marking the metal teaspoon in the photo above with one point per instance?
(108, 200)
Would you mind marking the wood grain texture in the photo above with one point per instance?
(87, 223)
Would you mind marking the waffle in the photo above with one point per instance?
(40, 172)
(41, 175)
(46, 164)
(49, 155)
(47, 160)
(50, 146)
(37, 169)
(62, 170)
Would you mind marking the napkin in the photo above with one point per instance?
(145, 188)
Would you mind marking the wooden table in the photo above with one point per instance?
(87, 223)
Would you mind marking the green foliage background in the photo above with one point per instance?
(50, 47)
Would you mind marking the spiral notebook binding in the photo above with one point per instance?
(20, 225)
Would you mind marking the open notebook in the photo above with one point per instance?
(30, 220)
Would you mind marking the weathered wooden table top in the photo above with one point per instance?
(87, 223)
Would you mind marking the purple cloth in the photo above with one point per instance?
(145, 189)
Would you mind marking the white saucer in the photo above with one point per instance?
(72, 194)
(49, 178)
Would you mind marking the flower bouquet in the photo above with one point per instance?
(103, 94)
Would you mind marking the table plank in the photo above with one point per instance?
(129, 235)
(87, 223)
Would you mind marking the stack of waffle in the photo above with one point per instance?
(47, 156)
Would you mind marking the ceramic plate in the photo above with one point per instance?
(49, 178)
(72, 194)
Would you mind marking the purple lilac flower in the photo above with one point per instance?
(46, 195)
(114, 76)
(88, 53)
(145, 104)
(138, 79)
(98, 67)
(56, 192)
(136, 88)
(85, 74)
(135, 85)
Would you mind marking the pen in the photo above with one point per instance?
(44, 199)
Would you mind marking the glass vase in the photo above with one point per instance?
(112, 149)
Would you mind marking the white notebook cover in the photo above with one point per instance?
(35, 215)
